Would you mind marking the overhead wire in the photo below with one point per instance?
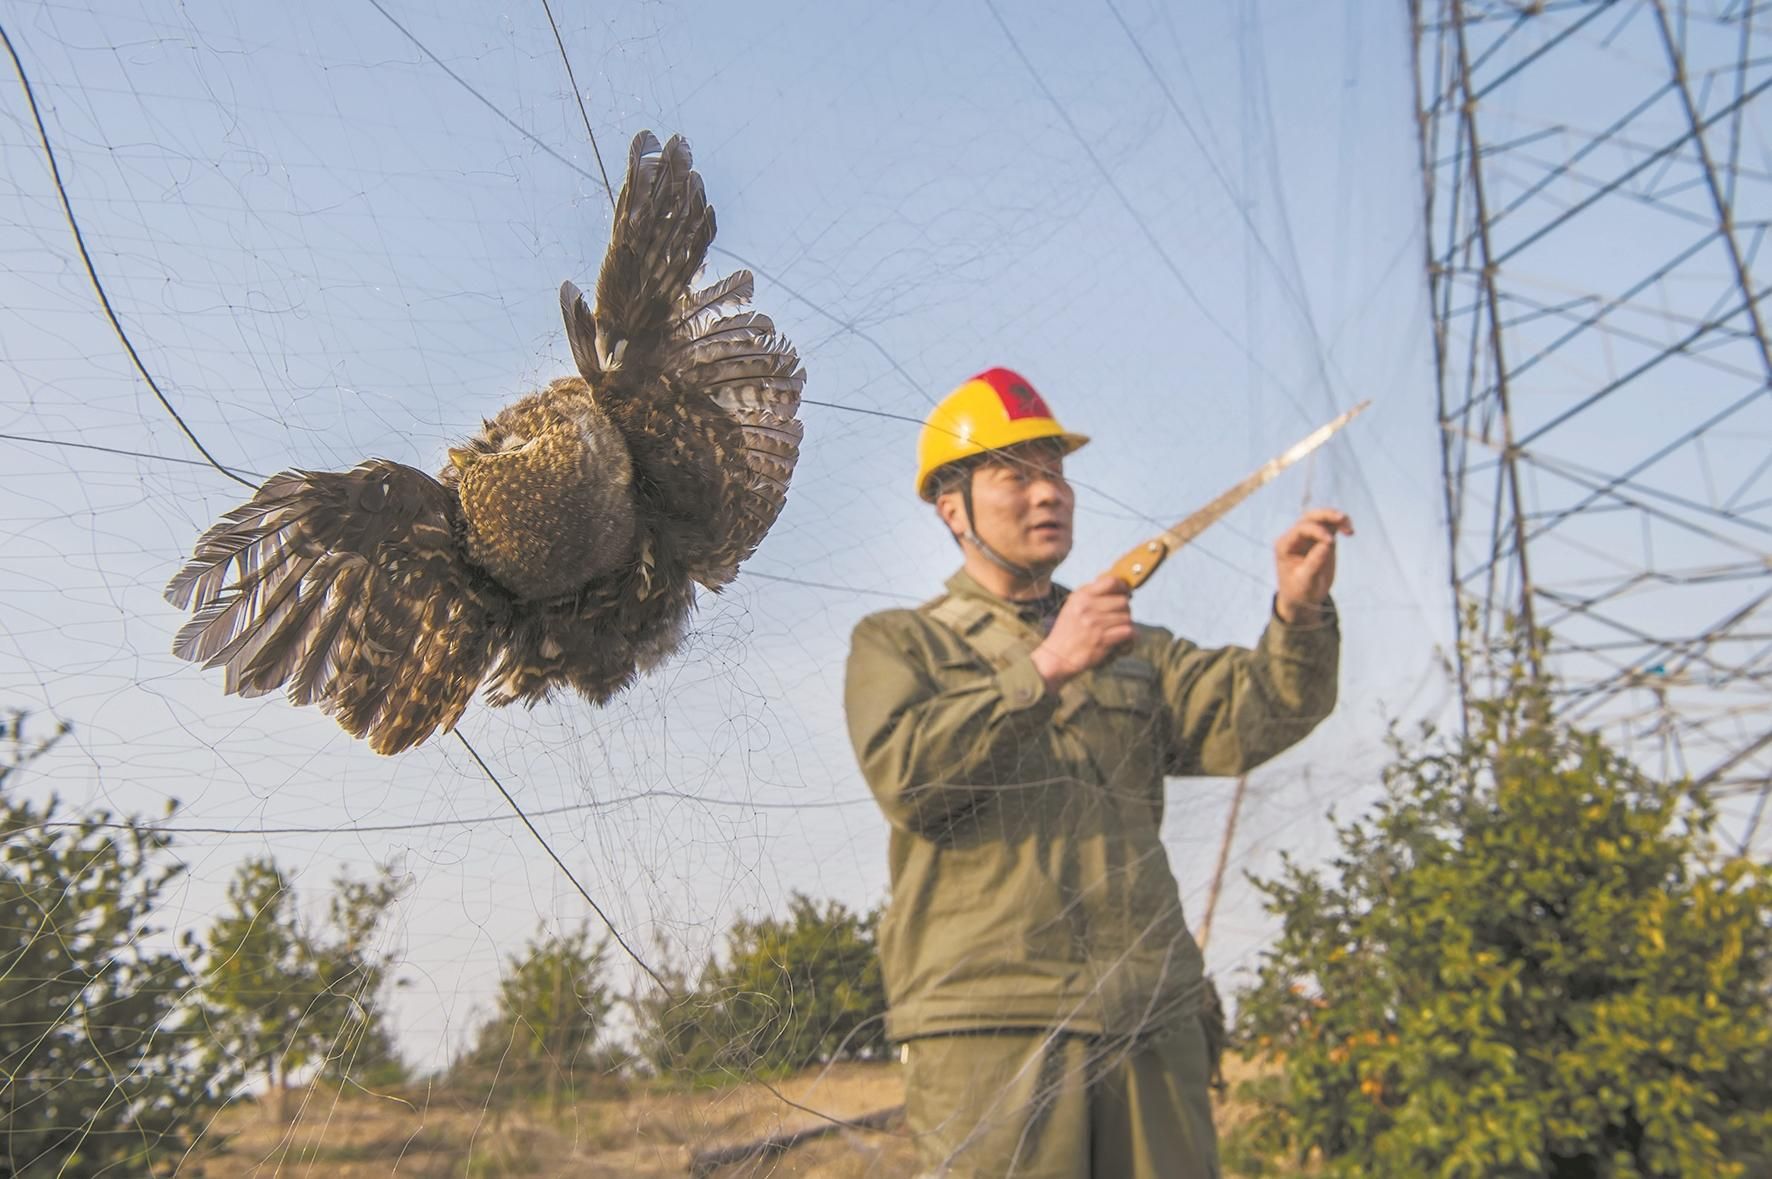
(1321, 356)
(98, 286)
(561, 864)
(27, 440)
(1292, 282)
(1238, 200)
(211, 461)
(601, 804)
(1138, 219)
(578, 96)
(559, 157)
(847, 325)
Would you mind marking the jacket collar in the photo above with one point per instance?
(963, 585)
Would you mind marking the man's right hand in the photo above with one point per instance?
(1094, 621)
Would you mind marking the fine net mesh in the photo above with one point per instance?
(335, 231)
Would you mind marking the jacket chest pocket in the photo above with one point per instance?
(1018, 797)
(1122, 725)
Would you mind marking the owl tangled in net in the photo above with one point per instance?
(561, 545)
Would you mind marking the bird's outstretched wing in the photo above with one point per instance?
(651, 330)
(349, 589)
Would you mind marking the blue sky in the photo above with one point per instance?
(1198, 240)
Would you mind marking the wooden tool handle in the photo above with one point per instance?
(1136, 567)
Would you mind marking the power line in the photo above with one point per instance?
(579, 98)
(552, 153)
(141, 454)
(1295, 288)
(1320, 355)
(474, 821)
(827, 585)
(872, 413)
(1138, 219)
(560, 863)
(1238, 199)
(98, 286)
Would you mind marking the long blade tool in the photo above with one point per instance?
(1136, 567)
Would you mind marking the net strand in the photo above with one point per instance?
(578, 95)
(560, 863)
(98, 286)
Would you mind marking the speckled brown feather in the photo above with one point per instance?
(562, 544)
(547, 495)
(307, 583)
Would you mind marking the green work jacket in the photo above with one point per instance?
(1030, 887)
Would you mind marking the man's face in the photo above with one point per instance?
(1022, 506)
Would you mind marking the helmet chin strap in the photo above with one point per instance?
(971, 537)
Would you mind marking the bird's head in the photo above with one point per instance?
(462, 459)
(482, 449)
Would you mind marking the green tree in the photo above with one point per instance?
(670, 1037)
(255, 985)
(353, 970)
(1530, 960)
(553, 1005)
(283, 999)
(788, 992)
(96, 1042)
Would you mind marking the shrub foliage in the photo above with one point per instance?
(788, 992)
(96, 1041)
(1531, 959)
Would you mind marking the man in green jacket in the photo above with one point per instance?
(1038, 968)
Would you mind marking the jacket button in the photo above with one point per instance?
(1024, 694)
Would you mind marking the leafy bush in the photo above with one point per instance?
(281, 999)
(1530, 960)
(95, 1046)
(554, 1004)
(787, 993)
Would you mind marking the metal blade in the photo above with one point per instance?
(1137, 565)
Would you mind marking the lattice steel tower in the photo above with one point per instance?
(1598, 188)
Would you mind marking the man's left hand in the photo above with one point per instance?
(1304, 559)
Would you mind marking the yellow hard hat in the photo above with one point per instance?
(997, 408)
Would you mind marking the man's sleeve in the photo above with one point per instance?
(1232, 709)
(931, 752)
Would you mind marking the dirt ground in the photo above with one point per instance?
(640, 1134)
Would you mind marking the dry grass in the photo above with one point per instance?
(640, 1133)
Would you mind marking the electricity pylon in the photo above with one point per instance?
(1598, 187)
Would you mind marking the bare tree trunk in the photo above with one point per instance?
(552, 1040)
(279, 1089)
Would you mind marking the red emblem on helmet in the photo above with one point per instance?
(1018, 397)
